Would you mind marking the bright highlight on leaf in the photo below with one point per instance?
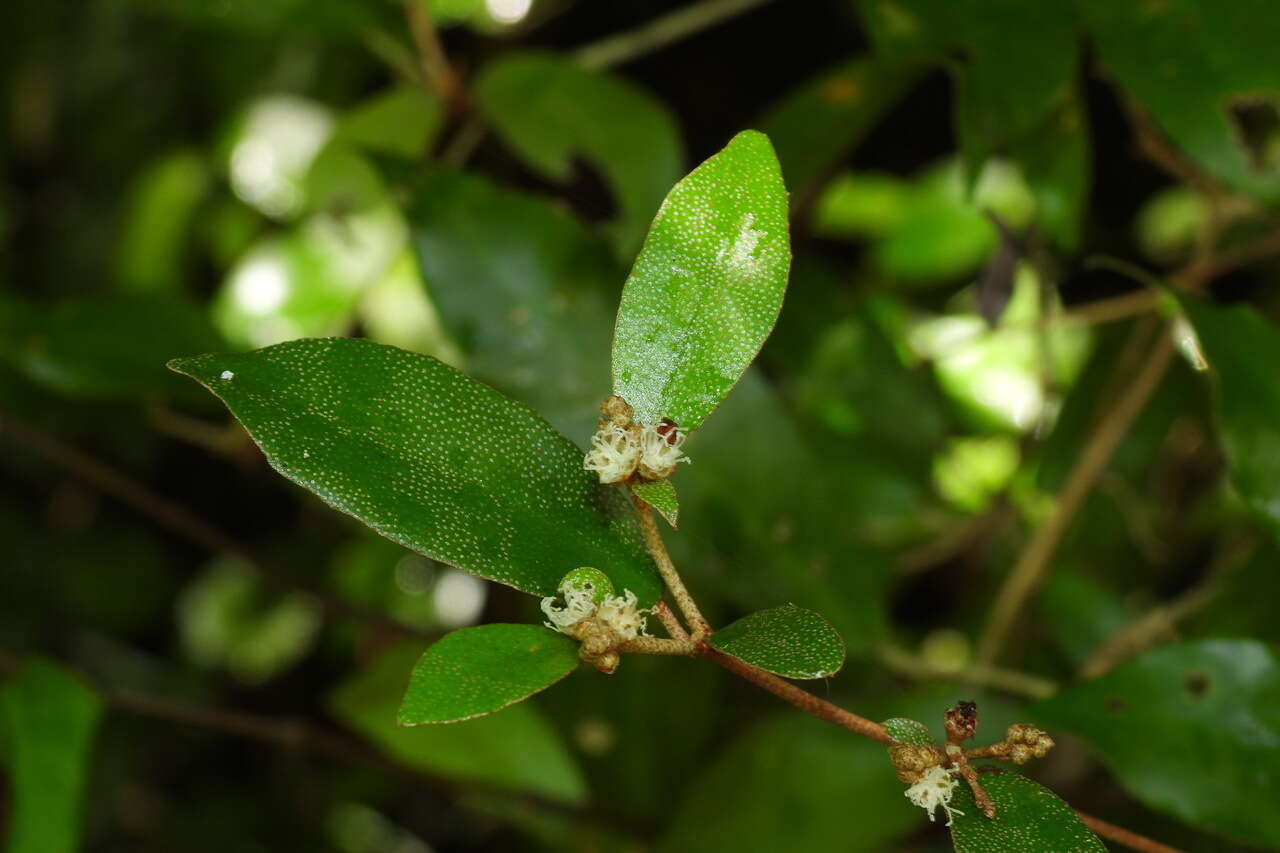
(789, 641)
(706, 288)
(431, 459)
(476, 671)
(660, 495)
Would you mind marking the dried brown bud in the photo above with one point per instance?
(961, 721)
(912, 762)
(617, 411)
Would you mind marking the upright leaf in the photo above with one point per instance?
(1028, 817)
(1182, 726)
(1243, 349)
(51, 717)
(788, 640)
(707, 287)
(548, 109)
(431, 459)
(911, 732)
(476, 671)
(660, 495)
(516, 749)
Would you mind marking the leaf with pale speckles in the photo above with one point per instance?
(431, 459)
(787, 640)
(911, 732)
(476, 671)
(1028, 817)
(660, 495)
(707, 287)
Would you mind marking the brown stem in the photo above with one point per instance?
(177, 519)
(657, 646)
(658, 550)
(435, 64)
(802, 699)
(669, 621)
(1120, 835)
(1033, 561)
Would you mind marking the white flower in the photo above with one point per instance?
(933, 791)
(617, 614)
(660, 452)
(614, 453)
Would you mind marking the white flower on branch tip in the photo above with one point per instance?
(933, 791)
(660, 451)
(617, 614)
(617, 452)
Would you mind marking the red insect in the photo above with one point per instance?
(667, 429)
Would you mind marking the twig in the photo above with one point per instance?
(669, 621)
(177, 519)
(658, 550)
(1032, 562)
(658, 646)
(1115, 308)
(1139, 634)
(436, 70)
(1120, 835)
(978, 675)
(801, 698)
(225, 440)
(624, 47)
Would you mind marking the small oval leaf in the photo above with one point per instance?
(789, 641)
(476, 671)
(912, 732)
(432, 459)
(660, 495)
(1028, 817)
(706, 288)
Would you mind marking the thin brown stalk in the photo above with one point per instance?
(658, 550)
(680, 24)
(1120, 835)
(658, 646)
(669, 621)
(435, 64)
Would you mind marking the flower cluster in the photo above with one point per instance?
(595, 617)
(934, 790)
(620, 448)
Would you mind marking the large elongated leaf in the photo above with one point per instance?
(786, 640)
(1028, 817)
(1244, 354)
(707, 287)
(548, 109)
(515, 749)
(431, 459)
(51, 718)
(476, 671)
(1184, 724)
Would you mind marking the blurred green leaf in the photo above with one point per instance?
(1057, 163)
(795, 784)
(1243, 349)
(345, 18)
(431, 459)
(107, 347)
(660, 495)
(1183, 725)
(1080, 613)
(515, 749)
(547, 109)
(161, 212)
(788, 640)
(520, 287)
(403, 121)
(706, 288)
(476, 671)
(50, 717)
(910, 732)
(1199, 68)
(815, 126)
(1028, 817)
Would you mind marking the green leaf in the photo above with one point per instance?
(707, 287)
(402, 121)
(520, 286)
(660, 495)
(1028, 817)
(547, 109)
(163, 204)
(51, 717)
(793, 784)
(910, 732)
(105, 348)
(1243, 350)
(1192, 64)
(476, 671)
(1055, 160)
(431, 459)
(1182, 725)
(516, 749)
(814, 127)
(787, 640)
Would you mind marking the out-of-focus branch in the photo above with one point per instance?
(978, 675)
(682, 23)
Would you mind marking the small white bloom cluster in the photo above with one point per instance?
(933, 791)
(617, 452)
(616, 614)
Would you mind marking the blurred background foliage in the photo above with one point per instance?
(988, 199)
